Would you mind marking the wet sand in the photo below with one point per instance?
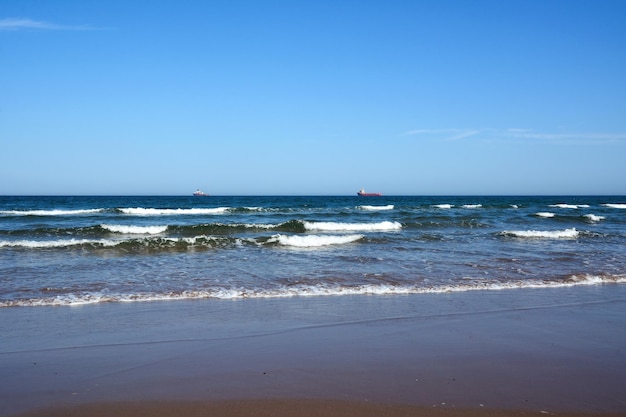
(272, 408)
(530, 352)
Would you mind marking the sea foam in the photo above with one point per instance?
(311, 291)
(569, 206)
(352, 227)
(377, 208)
(545, 214)
(543, 234)
(140, 211)
(60, 243)
(593, 217)
(313, 241)
(49, 212)
(149, 230)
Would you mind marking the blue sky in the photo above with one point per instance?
(313, 97)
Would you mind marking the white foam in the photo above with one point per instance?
(140, 211)
(36, 244)
(377, 208)
(617, 206)
(65, 243)
(149, 230)
(472, 206)
(443, 206)
(542, 234)
(49, 212)
(544, 214)
(257, 225)
(567, 206)
(313, 291)
(352, 227)
(312, 241)
(593, 217)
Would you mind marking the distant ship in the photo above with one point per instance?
(199, 193)
(362, 193)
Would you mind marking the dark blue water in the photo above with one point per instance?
(76, 250)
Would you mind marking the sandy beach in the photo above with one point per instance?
(528, 352)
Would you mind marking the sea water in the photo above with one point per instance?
(85, 250)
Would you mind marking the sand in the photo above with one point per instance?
(527, 352)
(272, 408)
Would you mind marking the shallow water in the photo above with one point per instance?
(77, 250)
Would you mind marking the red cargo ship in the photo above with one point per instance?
(362, 193)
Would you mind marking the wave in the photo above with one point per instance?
(313, 241)
(617, 206)
(60, 243)
(134, 243)
(182, 243)
(376, 208)
(140, 211)
(472, 206)
(542, 234)
(293, 226)
(443, 206)
(105, 230)
(149, 230)
(593, 217)
(57, 212)
(588, 218)
(352, 227)
(308, 290)
(545, 214)
(179, 243)
(569, 206)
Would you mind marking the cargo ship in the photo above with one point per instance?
(362, 193)
(199, 193)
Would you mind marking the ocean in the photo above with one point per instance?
(66, 251)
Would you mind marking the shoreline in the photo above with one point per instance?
(278, 407)
(557, 351)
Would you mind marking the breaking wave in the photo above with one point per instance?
(593, 217)
(314, 241)
(129, 230)
(569, 206)
(308, 290)
(545, 214)
(140, 211)
(377, 208)
(352, 227)
(543, 234)
(56, 212)
(61, 243)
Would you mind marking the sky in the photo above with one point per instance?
(312, 97)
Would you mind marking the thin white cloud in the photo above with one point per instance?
(14, 24)
(450, 134)
(446, 134)
(464, 134)
(565, 136)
